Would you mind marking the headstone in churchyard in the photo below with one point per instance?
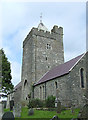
(11, 105)
(55, 118)
(31, 111)
(84, 113)
(72, 108)
(8, 116)
(1, 110)
(74, 119)
(17, 110)
(58, 106)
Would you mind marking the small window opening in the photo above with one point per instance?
(25, 83)
(40, 92)
(26, 98)
(48, 46)
(43, 92)
(82, 77)
(56, 85)
(46, 58)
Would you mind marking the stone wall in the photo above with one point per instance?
(17, 96)
(77, 92)
(27, 68)
(69, 89)
(50, 89)
(41, 52)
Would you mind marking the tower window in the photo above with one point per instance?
(82, 77)
(48, 46)
(46, 58)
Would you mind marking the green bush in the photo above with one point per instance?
(50, 101)
(51, 109)
(34, 103)
(63, 108)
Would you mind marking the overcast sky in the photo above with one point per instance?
(19, 17)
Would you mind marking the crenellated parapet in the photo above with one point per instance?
(54, 34)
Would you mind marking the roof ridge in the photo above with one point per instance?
(60, 70)
(82, 55)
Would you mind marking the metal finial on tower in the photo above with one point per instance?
(41, 18)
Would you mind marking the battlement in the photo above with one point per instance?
(57, 30)
(54, 34)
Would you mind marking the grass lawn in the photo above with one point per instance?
(47, 114)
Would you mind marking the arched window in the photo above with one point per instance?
(43, 93)
(25, 83)
(40, 92)
(56, 85)
(46, 58)
(82, 77)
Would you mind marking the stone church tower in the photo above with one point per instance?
(42, 50)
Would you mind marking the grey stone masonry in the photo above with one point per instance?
(69, 87)
(41, 52)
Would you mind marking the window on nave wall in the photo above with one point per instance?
(25, 83)
(82, 77)
(56, 85)
(43, 93)
(40, 92)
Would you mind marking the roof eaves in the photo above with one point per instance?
(76, 62)
(50, 79)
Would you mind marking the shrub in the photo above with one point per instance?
(63, 108)
(30, 105)
(34, 103)
(23, 103)
(50, 101)
(51, 109)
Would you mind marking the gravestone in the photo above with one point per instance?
(72, 108)
(55, 118)
(8, 116)
(4, 103)
(58, 107)
(31, 111)
(1, 110)
(11, 105)
(84, 113)
(17, 110)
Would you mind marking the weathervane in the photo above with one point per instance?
(41, 18)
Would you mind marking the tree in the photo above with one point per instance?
(7, 85)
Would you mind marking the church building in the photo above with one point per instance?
(45, 73)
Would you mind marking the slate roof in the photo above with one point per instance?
(18, 85)
(59, 70)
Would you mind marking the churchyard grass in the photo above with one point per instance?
(48, 114)
(6, 110)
